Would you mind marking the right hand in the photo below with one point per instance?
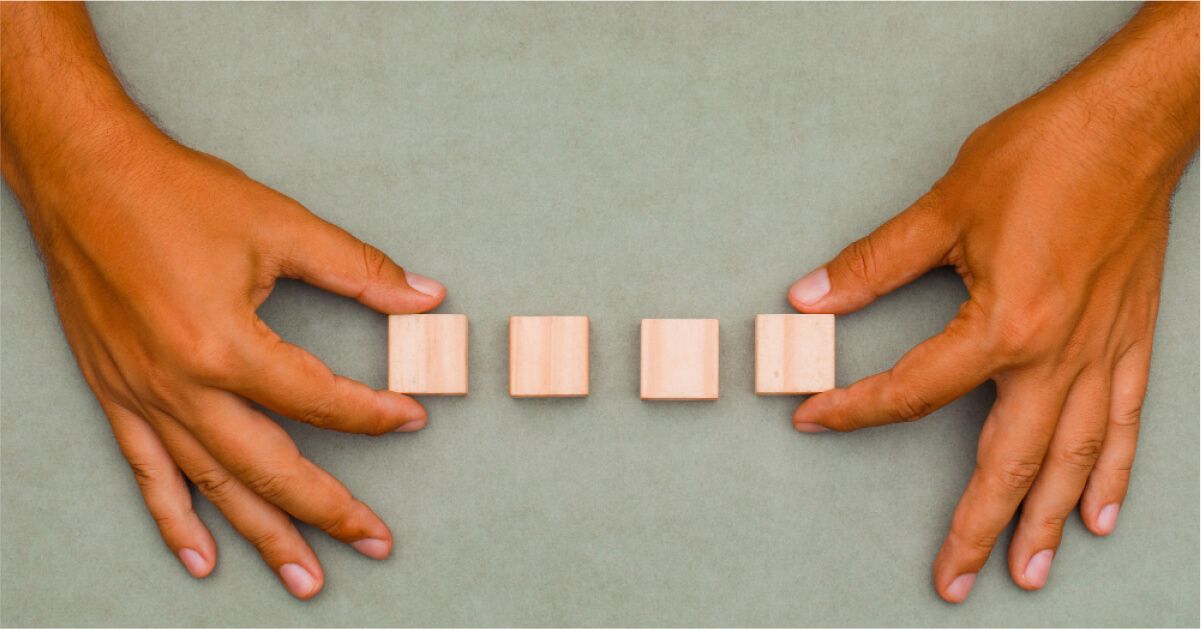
(158, 257)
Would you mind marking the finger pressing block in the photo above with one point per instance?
(679, 359)
(548, 356)
(794, 353)
(427, 354)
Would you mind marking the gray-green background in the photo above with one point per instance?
(618, 161)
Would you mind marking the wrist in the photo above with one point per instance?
(65, 116)
(1137, 94)
(72, 168)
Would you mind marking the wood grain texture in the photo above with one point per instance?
(680, 359)
(548, 356)
(794, 353)
(427, 354)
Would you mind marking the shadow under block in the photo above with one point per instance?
(548, 356)
(794, 353)
(680, 359)
(427, 354)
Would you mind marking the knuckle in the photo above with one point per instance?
(375, 262)
(213, 359)
(1128, 417)
(319, 412)
(1120, 474)
(860, 260)
(215, 484)
(144, 473)
(270, 485)
(265, 539)
(159, 385)
(338, 518)
(1052, 524)
(910, 404)
(1115, 473)
(1082, 454)
(1013, 338)
(1016, 334)
(1017, 475)
(1076, 349)
(164, 520)
(977, 543)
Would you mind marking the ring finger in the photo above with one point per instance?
(1013, 443)
(1055, 493)
(268, 528)
(260, 454)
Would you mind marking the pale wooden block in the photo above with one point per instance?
(679, 359)
(427, 354)
(548, 356)
(794, 353)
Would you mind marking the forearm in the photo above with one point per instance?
(1141, 86)
(62, 106)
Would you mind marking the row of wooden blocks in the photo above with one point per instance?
(548, 356)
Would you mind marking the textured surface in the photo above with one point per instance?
(794, 353)
(427, 354)
(679, 359)
(622, 162)
(548, 356)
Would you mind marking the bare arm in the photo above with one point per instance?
(1055, 213)
(158, 257)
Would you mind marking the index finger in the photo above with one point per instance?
(928, 377)
(289, 380)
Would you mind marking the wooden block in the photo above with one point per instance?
(548, 356)
(679, 359)
(794, 353)
(427, 354)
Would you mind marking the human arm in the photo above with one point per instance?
(1055, 214)
(158, 257)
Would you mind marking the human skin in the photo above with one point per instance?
(1055, 214)
(176, 355)
(158, 257)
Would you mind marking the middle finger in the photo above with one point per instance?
(1012, 445)
(263, 457)
(1070, 459)
(264, 525)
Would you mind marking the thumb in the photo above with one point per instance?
(897, 253)
(327, 256)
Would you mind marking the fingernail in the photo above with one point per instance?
(810, 427)
(423, 284)
(298, 580)
(810, 289)
(195, 564)
(1038, 568)
(1107, 519)
(373, 548)
(412, 426)
(958, 590)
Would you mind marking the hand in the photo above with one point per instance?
(157, 269)
(158, 257)
(1055, 214)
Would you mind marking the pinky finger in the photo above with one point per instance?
(264, 525)
(165, 492)
(1110, 477)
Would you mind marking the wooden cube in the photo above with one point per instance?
(548, 356)
(794, 353)
(679, 359)
(427, 354)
